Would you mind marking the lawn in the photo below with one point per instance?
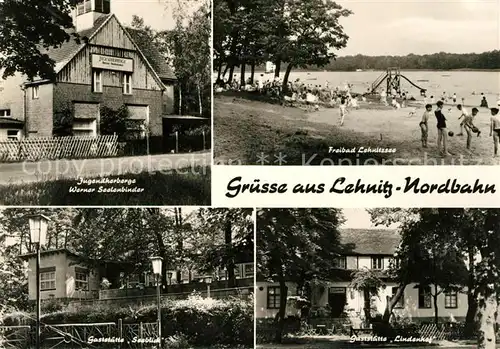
(255, 132)
(189, 187)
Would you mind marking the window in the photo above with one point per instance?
(424, 297)
(378, 263)
(84, 127)
(339, 263)
(81, 279)
(47, 279)
(273, 297)
(127, 83)
(97, 81)
(4, 113)
(237, 273)
(248, 270)
(35, 91)
(401, 303)
(13, 135)
(451, 300)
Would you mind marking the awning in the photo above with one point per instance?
(184, 117)
(11, 123)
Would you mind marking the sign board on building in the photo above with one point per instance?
(112, 63)
(336, 290)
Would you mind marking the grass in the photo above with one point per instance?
(246, 130)
(174, 188)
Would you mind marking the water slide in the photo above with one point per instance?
(382, 77)
(420, 88)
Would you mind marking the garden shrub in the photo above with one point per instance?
(200, 320)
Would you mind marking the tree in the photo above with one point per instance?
(227, 235)
(296, 245)
(313, 32)
(475, 233)
(27, 29)
(190, 47)
(369, 282)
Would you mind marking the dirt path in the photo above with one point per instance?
(27, 172)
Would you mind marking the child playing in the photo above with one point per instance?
(441, 128)
(464, 114)
(469, 126)
(495, 129)
(424, 127)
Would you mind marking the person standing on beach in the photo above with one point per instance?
(441, 128)
(424, 127)
(495, 129)
(342, 110)
(454, 98)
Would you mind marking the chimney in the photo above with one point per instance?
(87, 11)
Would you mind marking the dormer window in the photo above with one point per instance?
(84, 6)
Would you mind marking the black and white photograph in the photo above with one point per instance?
(378, 278)
(105, 102)
(396, 82)
(175, 278)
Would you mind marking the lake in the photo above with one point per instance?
(463, 83)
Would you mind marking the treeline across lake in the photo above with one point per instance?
(437, 61)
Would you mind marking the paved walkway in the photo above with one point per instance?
(26, 172)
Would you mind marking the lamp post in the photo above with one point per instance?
(38, 233)
(208, 281)
(157, 261)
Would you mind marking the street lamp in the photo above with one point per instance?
(208, 281)
(38, 232)
(157, 261)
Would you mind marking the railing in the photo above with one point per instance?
(84, 335)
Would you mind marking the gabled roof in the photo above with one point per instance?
(64, 53)
(370, 241)
(154, 57)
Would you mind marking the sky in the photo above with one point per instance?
(156, 13)
(400, 27)
(358, 218)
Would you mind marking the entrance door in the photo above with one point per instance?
(337, 300)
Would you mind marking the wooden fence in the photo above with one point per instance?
(72, 147)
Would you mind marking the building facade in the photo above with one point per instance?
(108, 67)
(370, 249)
(65, 275)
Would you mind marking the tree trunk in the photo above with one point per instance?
(285, 79)
(280, 316)
(242, 74)
(179, 237)
(225, 71)
(228, 239)
(470, 317)
(252, 72)
(231, 72)
(180, 99)
(435, 297)
(367, 307)
(391, 303)
(199, 100)
(219, 73)
(278, 68)
(486, 317)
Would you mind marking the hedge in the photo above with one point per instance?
(202, 321)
